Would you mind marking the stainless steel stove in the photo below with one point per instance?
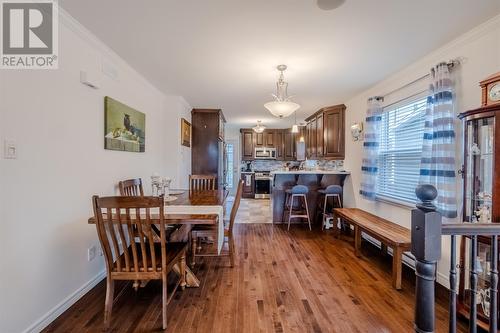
(263, 184)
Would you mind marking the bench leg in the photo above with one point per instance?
(357, 241)
(397, 267)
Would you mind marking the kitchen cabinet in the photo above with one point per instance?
(247, 146)
(325, 133)
(248, 185)
(319, 135)
(313, 137)
(334, 132)
(270, 138)
(288, 145)
(207, 149)
(278, 144)
(259, 139)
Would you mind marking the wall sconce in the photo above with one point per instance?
(356, 131)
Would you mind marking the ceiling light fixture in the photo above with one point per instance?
(259, 128)
(329, 4)
(281, 107)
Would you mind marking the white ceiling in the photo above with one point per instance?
(223, 53)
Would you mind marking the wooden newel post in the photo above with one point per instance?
(426, 247)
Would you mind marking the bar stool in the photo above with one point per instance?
(299, 192)
(334, 192)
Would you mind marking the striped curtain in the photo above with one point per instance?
(437, 166)
(369, 164)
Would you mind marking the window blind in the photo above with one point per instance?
(401, 150)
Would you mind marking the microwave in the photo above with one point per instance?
(265, 153)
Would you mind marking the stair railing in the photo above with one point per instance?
(427, 230)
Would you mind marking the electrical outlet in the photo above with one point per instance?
(91, 252)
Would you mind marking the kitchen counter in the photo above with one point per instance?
(313, 179)
(310, 172)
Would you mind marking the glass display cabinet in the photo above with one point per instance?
(481, 195)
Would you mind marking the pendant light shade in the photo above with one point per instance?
(281, 107)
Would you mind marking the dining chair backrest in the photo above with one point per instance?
(131, 188)
(116, 219)
(201, 182)
(236, 205)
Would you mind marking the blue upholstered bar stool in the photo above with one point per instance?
(334, 192)
(299, 192)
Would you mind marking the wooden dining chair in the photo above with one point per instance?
(211, 231)
(201, 182)
(116, 218)
(131, 187)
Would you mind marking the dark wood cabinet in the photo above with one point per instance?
(270, 138)
(278, 144)
(288, 145)
(319, 135)
(207, 149)
(259, 139)
(247, 146)
(313, 137)
(248, 185)
(334, 132)
(325, 133)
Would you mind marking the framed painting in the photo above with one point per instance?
(124, 127)
(185, 133)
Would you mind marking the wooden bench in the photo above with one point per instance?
(388, 233)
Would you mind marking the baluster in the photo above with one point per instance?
(494, 284)
(453, 286)
(473, 286)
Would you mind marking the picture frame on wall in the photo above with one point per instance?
(185, 133)
(124, 127)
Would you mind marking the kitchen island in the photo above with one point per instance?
(313, 179)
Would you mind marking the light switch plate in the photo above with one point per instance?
(10, 150)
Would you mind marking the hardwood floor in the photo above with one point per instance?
(297, 281)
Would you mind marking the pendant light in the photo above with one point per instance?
(281, 107)
(295, 127)
(259, 128)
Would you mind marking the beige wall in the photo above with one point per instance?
(45, 193)
(479, 51)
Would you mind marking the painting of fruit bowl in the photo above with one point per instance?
(124, 127)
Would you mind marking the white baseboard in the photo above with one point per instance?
(65, 304)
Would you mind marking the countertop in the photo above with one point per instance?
(310, 172)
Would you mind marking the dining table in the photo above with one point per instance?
(185, 208)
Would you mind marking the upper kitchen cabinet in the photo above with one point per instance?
(247, 144)
(278, 144)
(325, 133)
(334, 132)
(259, 139)
(288, 145)
(270, 138)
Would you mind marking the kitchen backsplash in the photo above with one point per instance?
(269, 165)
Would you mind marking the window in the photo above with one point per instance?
(230, 165)
(401, 137)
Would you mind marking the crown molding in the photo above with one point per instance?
(105, 51)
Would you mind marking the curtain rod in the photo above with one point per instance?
(451, 64)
